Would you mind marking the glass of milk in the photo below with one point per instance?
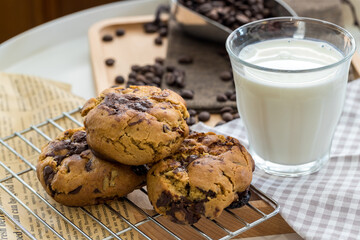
(290, 76)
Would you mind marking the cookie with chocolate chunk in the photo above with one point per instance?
(72, 175)
(135, 125)
(208, 173)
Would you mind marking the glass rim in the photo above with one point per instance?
(292, 19)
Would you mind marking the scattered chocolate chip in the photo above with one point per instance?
(220, 123)
(107, 38)
(236, 115)
(163, 32)
(119, 32)
(233, 97)
(76, 190)
(226, 116)
(109, 62)
(158, 40)
(226, 109)
(170, 68)
(192, 112)
(204, 116)
(226, 75)
(191, 121)
(185, 60)
(119, 79)
(160, 60)
(187, 94)
(228, 93)
(150, 27)
(221, 98)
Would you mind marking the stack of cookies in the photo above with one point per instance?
(130, 130)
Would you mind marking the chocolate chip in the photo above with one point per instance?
(163, 32)
(226, 109)
(221, 98)
(119, 32)
(166, 128)
(96, 190)
(204, 8)
(192, 112)
(164, 199)
(191, 121)
(160, 60)
(119, 79)
(135, 68)
(48, 174)
(169, 79)
(158, 40)
(227, 116)
(226, 75)
(204, 116)
(107, 38)
(220, 123)
(185, 59)
(109, 62)
(76, 190)
(150, 27)
(233, 97)
(88, 166)
(170, 68)
(187, 94)
(236, 115)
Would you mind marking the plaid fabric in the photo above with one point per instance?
(326, 204)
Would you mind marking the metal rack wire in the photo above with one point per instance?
(36, 135)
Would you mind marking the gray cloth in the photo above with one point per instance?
(326, 204)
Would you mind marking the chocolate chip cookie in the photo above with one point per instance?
(74, 176)
(135, 125)
(208, 173)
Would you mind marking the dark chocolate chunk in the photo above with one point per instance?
(107, 38)
(96, 190)
(109, 62)
(166, 128)
(204, 116)
(243, 199)
(119, 79)
(48, 174)
(88, 166)
(76, 190)
(119, 32)
(163, 31)
(164, 199)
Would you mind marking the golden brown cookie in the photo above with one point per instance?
(136, 125)
(209, 173)
(74, 176)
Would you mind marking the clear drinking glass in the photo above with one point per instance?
(290, 75)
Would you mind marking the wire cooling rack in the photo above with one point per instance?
(35, 215)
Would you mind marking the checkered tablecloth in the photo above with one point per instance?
(326, 204)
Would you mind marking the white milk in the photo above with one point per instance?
(290, 117)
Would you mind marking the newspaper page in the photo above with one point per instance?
(25, 101)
